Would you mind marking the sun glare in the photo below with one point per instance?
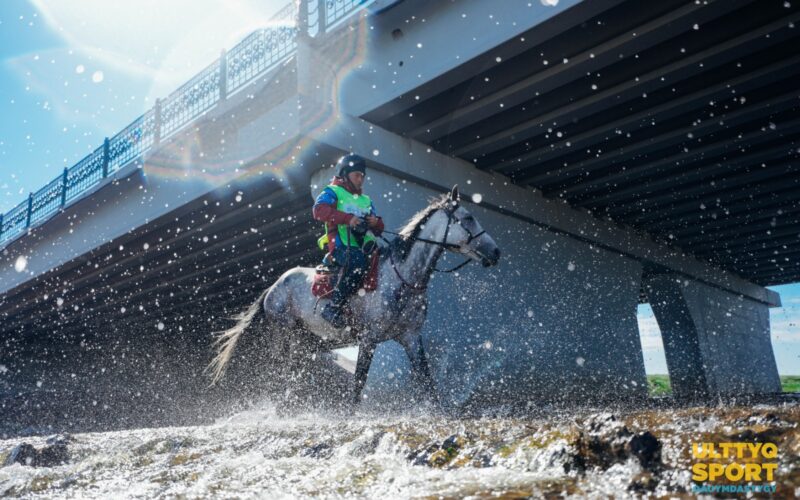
(166, 41)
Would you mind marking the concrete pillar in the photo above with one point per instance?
(716, 342)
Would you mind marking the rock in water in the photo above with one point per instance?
(55, 453)
(606, 441)
(23, 453)
(52, 455)
(646, 447)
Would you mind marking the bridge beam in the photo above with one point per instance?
(416, 162)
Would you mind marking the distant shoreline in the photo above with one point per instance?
(659, 384)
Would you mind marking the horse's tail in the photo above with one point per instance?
(226, 340)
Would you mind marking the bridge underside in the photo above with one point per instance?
(688, 137)
(129, 325)
(676, 118)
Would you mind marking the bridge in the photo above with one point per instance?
(619, 153)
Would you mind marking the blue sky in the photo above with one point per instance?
(73, 72)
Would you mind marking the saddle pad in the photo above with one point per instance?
(322, 286)
(325, 279)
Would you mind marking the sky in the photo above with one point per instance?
(73, 72)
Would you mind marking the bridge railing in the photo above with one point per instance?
(47, 200)
(258, 53)
(133, 141)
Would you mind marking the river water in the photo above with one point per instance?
(260, 454)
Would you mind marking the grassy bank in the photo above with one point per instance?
(790, 383)
(659, 384)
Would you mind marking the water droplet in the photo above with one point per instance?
(21, 264)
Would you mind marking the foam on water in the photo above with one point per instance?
(260, 453)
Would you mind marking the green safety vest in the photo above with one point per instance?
(347, 202)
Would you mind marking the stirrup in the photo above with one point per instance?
(333, 316)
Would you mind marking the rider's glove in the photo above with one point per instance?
(361, 228)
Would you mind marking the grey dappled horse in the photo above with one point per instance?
(396, 310)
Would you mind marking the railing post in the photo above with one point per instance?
(157, 124)
(64, 179)
(106, 159)
(1, 227)
(223, 75)
(30, 209)
(323, 16)
(302, 17)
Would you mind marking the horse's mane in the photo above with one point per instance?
(402, 244)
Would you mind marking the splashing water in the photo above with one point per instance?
(258, 453)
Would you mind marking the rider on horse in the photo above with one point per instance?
(348, 215)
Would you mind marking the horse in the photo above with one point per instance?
(396, 310)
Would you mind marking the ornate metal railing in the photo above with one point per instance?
(15, 222)
(260, 52)
(339, 10)
(86, 174)
(47, 200)
(194, 98)
(132, 142)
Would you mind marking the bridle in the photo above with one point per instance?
(453, 247)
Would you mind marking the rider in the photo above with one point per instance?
(347, 214)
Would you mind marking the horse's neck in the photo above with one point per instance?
(421, 258)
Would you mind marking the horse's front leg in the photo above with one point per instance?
(366, 349)
(420, 371)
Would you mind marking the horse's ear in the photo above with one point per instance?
(454, 193)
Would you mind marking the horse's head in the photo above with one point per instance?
(466, 236)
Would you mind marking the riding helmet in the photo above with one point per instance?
(351, 163)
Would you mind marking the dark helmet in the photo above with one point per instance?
(351, 163)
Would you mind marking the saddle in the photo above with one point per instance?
(326, 277)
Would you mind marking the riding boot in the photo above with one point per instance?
(332, 313)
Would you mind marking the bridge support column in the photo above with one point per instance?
(716, 342)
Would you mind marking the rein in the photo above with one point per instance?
(442, 244)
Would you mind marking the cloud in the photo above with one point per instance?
(649, 333)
